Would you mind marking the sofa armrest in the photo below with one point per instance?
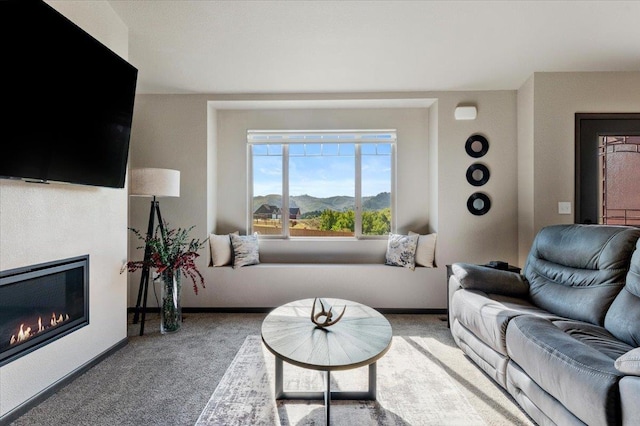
(490, 280)
(629, 363)
(629, 391)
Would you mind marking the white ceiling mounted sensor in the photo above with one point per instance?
(466, 113)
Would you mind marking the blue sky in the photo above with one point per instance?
(326, 175)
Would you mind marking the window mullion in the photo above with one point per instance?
(285, 191)
(358, 193)
(249, 188)
(394, 190)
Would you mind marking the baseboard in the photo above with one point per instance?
(409, 311)
(55, 387)
(242, 310)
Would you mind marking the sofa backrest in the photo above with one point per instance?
(623, 317)
(576, 271)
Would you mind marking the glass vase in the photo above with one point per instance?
(170, 308)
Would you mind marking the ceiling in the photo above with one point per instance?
(372, 46)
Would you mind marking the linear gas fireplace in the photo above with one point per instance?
(41, 303)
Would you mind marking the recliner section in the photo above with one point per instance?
(554, 347)
(567, 369)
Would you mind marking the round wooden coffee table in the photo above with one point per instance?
(359, 339)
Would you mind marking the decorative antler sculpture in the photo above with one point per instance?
(326, 313)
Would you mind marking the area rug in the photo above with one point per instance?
(412, 389)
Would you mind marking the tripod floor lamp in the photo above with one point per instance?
(149, 182)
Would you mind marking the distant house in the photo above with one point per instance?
(294, 213)
(267, 211)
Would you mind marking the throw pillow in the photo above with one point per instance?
(245, 250)
(401, 250)
(426, 250)
(629, 363)
(220, 246)
(489, 280)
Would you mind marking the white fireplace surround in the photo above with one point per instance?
(41, 223)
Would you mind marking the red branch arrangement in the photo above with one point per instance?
(171, 249)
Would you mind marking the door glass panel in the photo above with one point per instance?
(619, 198)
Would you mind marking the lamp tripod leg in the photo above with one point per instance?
(144, 303)
(136, 313)
(143, 290)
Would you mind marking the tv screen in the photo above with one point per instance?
(67, 100)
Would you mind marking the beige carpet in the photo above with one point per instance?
(413, 389)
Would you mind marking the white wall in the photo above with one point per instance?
(412, 212)
(176, 131)
(526, 205)
(462, 236)
(547, 141)
(170, 131)
(41, 223)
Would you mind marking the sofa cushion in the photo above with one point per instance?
(572, 371)
(623, 317)
(487, 315)
(594, 336)
(629, 391)
(576, 271)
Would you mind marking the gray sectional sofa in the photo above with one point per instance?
(562, 338)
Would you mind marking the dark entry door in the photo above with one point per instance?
(594, 151)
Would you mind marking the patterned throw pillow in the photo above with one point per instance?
(401, 250)
(245, 250)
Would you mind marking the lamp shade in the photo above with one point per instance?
(149, 182)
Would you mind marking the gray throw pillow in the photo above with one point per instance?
(245, 250)
(489, 280)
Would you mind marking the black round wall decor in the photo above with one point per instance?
(478, 203)
(476, 146)
(478, 174)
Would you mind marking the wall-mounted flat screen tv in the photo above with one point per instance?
(67, 100)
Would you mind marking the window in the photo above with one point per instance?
(321, 183)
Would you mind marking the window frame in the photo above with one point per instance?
(289, 137)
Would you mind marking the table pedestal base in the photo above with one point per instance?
(327, 395)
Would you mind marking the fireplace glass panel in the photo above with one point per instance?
(41, 303)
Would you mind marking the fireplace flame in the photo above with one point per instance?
(22, 335)
(26, 332)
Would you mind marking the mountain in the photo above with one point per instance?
(379, 202)
(308, 203)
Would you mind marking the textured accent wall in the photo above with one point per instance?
(41, 223)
